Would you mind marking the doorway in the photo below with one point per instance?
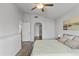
(38, 31)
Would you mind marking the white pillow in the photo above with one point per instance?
(70, 37)
(62, 40)
(72, 43)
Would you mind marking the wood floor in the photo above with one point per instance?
(26, 50)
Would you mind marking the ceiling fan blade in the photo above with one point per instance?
(42, 9)
(49, 4)
(34, 8)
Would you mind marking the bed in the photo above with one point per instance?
(52, 48)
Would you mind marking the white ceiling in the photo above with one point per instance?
(51, 12)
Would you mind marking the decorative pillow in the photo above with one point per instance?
(72, 43)
(70, 37)
(62, 40)
(76, 38)
(68, 43)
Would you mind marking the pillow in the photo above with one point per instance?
(72, 43)
(76, 38)
(70, 37)
(68, 43)
(62, 40)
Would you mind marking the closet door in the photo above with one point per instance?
(26, 32)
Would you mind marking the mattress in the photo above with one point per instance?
(52, 48)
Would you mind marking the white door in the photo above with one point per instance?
(26, 32)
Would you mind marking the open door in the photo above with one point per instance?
(38, 31)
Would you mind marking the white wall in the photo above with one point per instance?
(10, 41)
(48, 26)
(59, 22)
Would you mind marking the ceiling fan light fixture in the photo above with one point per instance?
(40, 6)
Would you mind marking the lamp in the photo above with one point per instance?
(58, 36)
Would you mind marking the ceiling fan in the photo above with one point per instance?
(41, 6)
